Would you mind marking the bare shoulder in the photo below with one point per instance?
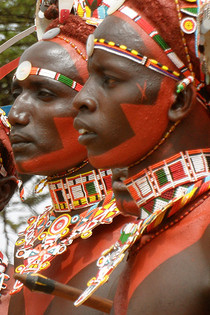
(171, 274)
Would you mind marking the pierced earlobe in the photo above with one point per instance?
(183, 103)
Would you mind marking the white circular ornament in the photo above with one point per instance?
(188, 25)
(41, 14)
(60, 224)
(90, 45)
(114, 6)
(51, 33)
(23, 70)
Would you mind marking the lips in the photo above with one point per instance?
(86, 134)
(18, 142)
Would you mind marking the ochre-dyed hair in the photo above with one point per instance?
(163, 16)
(73, 26)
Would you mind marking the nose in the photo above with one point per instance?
(18, 114)
(85, 100)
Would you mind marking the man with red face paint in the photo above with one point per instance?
(8, 184)
(57, 243)
(144, 112)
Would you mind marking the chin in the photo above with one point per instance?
(127, 208)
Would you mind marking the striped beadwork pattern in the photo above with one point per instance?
(153, 33)
(56, 76)
(134, 55)
(132, 232)
(178, 170)
(81, 190)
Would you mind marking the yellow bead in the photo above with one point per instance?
(134, 52)
(101, 40)
(164, 68)
(176, 73)
(154, 61)
(111, 43)
(123, 47)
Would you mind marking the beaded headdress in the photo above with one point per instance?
(187, 16)
(92, 11)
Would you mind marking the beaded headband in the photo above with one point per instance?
(134, 55)
(25, 69)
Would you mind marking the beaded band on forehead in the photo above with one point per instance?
(25, 69)
(153, 33)
(132, 54)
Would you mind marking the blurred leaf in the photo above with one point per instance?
(15, 17)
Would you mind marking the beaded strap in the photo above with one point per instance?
(68, 41)
(153, 33)
(56, 76)
(170, 173)
(134, 55)
(81, 190)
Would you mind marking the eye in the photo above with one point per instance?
(110, 82)
(16, 93)
(46, 95)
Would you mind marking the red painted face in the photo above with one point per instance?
(123, 106)
(43, 138)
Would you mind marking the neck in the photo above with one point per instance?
(77, 191)
(191, 133)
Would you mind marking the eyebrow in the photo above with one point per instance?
(37, 82)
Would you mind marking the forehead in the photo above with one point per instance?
(122, 32)
(51, 56)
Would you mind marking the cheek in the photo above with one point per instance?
(148, 122)
(70, 154)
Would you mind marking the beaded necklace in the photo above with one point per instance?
(132, 232)
(79, 191)
(48, 236)
(182, 168)
(3, 276)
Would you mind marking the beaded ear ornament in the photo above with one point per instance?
(25, 69)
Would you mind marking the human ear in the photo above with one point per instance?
(183, 103)
(7, 189)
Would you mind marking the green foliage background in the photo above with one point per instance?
(15, 17)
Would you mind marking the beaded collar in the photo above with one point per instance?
(3, 276)
(132, 232)
(184, 167)
(48, 236)
(80, 191)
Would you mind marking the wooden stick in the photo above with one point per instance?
(37, 282)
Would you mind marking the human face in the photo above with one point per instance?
(42, 136)
(123, 107)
